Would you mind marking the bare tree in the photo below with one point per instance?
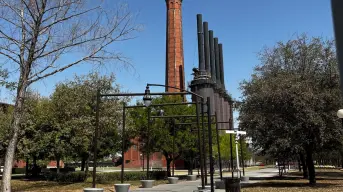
(39, 38)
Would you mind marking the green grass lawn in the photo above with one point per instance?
(50, 186)
(328, 180)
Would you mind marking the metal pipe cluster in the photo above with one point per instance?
(209, 82)
(209, 78)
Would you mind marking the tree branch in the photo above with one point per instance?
(29, 9)
(10, 57)
(67, 18)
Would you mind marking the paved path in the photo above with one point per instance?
(267, 172)
(190, 186)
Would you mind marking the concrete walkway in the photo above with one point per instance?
(190, 186)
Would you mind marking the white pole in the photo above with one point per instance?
(237, 157)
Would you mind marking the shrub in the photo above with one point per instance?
(63, 170)
(72, 177)
(115, 176)
(129, 176)
(18, 170)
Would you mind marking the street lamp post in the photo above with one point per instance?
(147, 102)
(123, 145)
(95, 139)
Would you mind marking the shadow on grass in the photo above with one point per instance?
(275, 184)
(274, 178)
(319, 173)
(29, 185)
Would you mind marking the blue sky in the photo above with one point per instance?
(244, 27)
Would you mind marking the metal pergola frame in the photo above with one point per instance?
(183, 92)
(159, 105)
(96, 134)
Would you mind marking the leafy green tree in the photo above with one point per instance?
(74, 111)
(38, 130)
(5, 119)
(62, 126)
(290, 103)
(161, 133)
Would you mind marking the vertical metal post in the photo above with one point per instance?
(210, 141)
(218, 145)
(203, 138)
(147, 145)
(242, 157)
(173, 153)
(123, 145)
(199, 144)
(95, 142)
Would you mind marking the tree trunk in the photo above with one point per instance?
(58, 164)
(310, 166)
(299, 165)
(15, 128)
(34, 167)
(190, 167)
(87, 166)
(83, 163)
(27, 168)
(303, 162)
(169, 160)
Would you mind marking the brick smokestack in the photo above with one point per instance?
(174, 53)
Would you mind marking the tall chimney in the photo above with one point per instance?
(174, 54)
(221, 65)
(216, 52)
(200, 43)
(207, 49)
(212, 57)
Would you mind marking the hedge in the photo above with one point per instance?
(103, 178)
(129, 176)
(63, 170)
(72, 177)
(115, 176)
(18, 170)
